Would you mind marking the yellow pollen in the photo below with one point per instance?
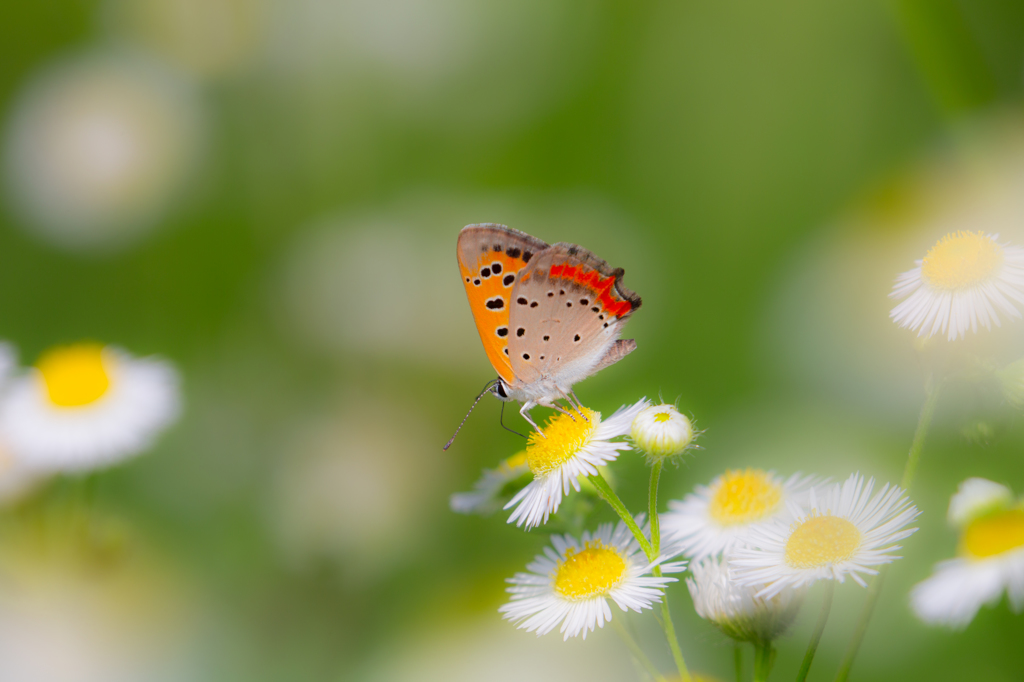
(961, 259)
(744, 496)
(74, 375)
(822, 540)
(589, 572)
(563, 437)
(994, 534)
(662, 417)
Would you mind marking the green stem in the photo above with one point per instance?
(609, 496)
(652, 506)
(812, 646)
(737, 658)
(924, 421)
(764, 656)
(932, 390)
(670, 635)
(637, 652)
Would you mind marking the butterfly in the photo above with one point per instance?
(549, 316)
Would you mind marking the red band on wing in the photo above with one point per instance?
(592, 280)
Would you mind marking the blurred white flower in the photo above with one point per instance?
(991, 558)
(967, 278)
(716, 518)
(976, 497)
(86, 406)
(845, 533)
(736, 609)
(358, 484)
(570, 585)
(489, 489)
(98, 147)
(69, 614)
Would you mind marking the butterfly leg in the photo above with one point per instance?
(525, 412)
(578, 405)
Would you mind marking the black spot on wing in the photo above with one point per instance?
(497, 248)
(513, 252)
(485, 272)
(520, 332)
(521, 300)
(502, 331)
(576, 338)
(527, 255)
(496, 268)
(508, 280)
(533, 305)
(496, 303)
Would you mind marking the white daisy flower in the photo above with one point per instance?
(85, 406)
(845, 533)
(976, 497)
(491, 486)
(967, 278)
(661, 431)
(570, 584)
(570, 447)
(736, 609)
(715, 518)
(991, 560)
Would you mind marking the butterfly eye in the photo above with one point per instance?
(500, 391)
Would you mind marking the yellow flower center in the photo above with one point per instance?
(994, 534)
(822, 540)
(74, 375)
(563, 437)
(662, 417)
(744, 496)
(961, 259)
(589, 572)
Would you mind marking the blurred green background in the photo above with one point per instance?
(282, 225)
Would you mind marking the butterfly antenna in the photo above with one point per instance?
(501, 420)
(484, 392)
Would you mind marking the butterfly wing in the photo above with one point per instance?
(568, 309)
(491, 257)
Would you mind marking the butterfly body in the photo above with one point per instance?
(549, 316)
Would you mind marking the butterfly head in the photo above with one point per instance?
(501, 390)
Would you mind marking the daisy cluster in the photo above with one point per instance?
(570, 585)
(760, 540)
(78, 408)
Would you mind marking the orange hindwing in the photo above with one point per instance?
(490, 258)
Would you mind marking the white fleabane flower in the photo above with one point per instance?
(991, 560)
(570, 447)
(844, 533)
(715, 518)
(976, 497)
(662, 431)
(491, 486)
(571, 583)
(86, 406)
(967, 278)
(736, 609)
